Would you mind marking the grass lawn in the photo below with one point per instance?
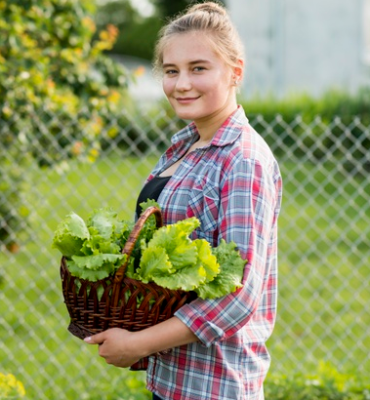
(324, 280)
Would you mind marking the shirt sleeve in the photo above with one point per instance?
(249, 201)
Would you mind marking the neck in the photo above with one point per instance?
(208, 126)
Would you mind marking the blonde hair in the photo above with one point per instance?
(211, 18)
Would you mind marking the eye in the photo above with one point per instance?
(170, 71)
(199, 69)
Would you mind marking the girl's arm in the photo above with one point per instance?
(122, 348)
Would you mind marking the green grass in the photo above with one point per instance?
(324, 271)
(323, 283)
(38, 349)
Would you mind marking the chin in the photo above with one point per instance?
(184, 115)
(188, 114)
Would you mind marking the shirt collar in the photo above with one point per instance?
(226, 134)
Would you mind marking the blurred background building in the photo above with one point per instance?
(299, 45)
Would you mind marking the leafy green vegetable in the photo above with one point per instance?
(166, 255)
(89, 275)
(95, 267)
(231, 272)
(70, 235)
(154, 264)
(173, 260)
(187, 278)
(103, 266)
(145, 235)
(105, 223)
(97, 252)
(98, 244)
(207, 259)
(174, 239)
(149, 203)
(97, 261)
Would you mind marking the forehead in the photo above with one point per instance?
(189, 46)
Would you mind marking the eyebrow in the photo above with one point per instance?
(191, 63)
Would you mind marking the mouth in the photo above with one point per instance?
(186, 100)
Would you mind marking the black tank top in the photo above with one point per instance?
(151, 191)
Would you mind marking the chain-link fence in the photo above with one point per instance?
(324, 256)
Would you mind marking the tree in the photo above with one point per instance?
(52, 74)
(170, 8)
(137, 34)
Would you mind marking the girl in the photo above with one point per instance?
(221, 171)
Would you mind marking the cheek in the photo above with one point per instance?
(212, 85)
(167, 87)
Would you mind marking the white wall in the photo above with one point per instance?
(301, 45)
(366, 25)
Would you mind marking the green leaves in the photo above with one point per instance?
(323, 383)
(176, 263)
(172, 260)
(166, 256)
(70, 235)
(105, 223)
(53, 73)
(93, 251)
(231, 272)
(59, 91)
(174, 239)
(154, 264)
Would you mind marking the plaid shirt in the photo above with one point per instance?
(233, 186)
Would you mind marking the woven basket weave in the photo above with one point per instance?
(119, 301)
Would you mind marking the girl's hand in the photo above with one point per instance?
(117, 347)
(122, 348)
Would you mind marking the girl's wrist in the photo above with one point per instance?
(162, 337)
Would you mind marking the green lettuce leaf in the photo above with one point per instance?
(98, 244)
(207, 259)
(154, 263)
(70, 235)
(88, 274)
(149, 203)
(188, 278)
(98, 261)
(231, 273)
(172, 260)
(175, 240)
(146, 232)
(93, 250)
(106, 223)
(172, 245)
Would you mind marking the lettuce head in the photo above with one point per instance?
(70, 235)
(230, 276)
(172, 260)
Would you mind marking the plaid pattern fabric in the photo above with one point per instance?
(234, 187)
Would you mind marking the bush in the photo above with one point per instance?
(328, 118)
(326, 384)
(49, 66)
(10, 387)
(336, 121)
(137, 35)
(58, 91)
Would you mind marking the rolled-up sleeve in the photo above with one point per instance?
(248, 209)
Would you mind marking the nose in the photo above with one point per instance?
(183, 82)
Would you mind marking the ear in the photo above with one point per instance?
(238, 71)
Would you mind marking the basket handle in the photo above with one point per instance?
(130, 244)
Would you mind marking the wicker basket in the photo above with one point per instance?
(119, 301)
